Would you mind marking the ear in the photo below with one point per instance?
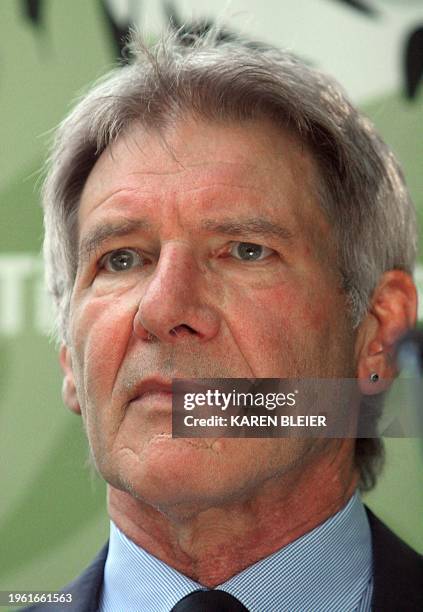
(69, 395)
(393, 310)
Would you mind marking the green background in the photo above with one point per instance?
(52, 512)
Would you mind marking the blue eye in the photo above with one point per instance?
(248, 251)
(121, 260)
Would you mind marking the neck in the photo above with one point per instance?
(212, 545)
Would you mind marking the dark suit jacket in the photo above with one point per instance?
(397, 571)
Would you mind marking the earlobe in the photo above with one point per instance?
(393, 311)
(69, 394)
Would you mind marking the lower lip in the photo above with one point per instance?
(154, 400)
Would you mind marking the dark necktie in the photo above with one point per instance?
(209, 601)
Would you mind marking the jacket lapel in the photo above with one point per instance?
(86, 588)
(397, 571)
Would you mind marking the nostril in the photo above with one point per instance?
(180, 330)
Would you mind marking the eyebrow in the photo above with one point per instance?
(107, 230)
(253, 225)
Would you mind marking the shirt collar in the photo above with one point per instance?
(329, 568)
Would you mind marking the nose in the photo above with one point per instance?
(173, 305)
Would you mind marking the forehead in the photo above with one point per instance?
(191, 159)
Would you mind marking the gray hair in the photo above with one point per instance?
(361, 191)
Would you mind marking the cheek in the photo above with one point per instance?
(269, 312)
(101, 329)
(281, 328)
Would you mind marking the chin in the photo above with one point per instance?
(176, 476)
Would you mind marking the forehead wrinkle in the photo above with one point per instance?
(154, 190)
(228, 173)
(155, 172)
(89, 191)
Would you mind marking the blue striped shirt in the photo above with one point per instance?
(328, 569)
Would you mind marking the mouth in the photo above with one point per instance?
(153, 393)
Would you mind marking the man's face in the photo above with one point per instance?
(168, 285)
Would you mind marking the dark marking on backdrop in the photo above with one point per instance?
(119, 32)
(33, 10)
(413, 62)
(360, 5)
